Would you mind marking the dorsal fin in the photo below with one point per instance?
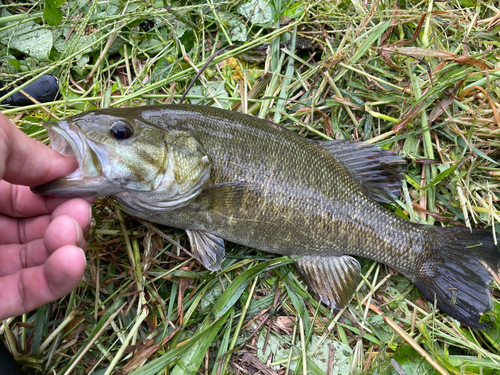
(379, 172)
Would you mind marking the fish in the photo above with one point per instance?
(227, 176)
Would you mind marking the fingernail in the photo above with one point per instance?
(80, 240)
(90, 212)
(86, 230)
(84, 256)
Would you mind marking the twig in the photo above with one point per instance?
(201, 70)
(409, 340)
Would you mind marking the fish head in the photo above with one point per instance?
(126, 157)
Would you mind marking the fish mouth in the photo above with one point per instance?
(62, 142)
(69, 141)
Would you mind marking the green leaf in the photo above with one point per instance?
(294, 11)
(54, 3)
(467, 3)
(52, 12)
(440, 177)
(411, 362)
(374, 34)
(258, 12)
(300, 306)
(238, 285)
(280, 347)
(480, 153)
(28, 38)
(104, 318)
(380, 329)
(42, 317)
(15, 63)
(202, 335)
(190, 362)
(236, 28)
(212, 90)
(53, 16)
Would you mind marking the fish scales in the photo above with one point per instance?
(305, 202)
(224, 175)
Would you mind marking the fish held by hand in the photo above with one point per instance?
(223, 175)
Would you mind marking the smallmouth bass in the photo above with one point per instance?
(224, 175)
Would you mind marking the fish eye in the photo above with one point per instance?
(120, 130)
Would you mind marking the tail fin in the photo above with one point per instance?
(454, 276)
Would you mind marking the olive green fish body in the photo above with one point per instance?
(294, 197)
(225, 175)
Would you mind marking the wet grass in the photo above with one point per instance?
(420, 78)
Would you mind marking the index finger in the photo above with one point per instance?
(25, 161)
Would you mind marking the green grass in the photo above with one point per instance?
(420, 79)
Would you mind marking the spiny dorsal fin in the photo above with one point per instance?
(379, 172)
(333, 278)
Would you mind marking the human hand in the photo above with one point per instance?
(41, 238)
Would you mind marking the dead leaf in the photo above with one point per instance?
(347, 102)
(328, 122)
(426, 52)
(407, 118)
(386, 55)
(184, 283)
(462, 60)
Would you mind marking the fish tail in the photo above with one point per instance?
(454, 276)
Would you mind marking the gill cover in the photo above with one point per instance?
(134, 161)
(183, 173)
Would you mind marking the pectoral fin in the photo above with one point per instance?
(207, 249)
(223, 196)
(333, 278)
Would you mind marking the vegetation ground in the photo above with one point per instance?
(417, 77)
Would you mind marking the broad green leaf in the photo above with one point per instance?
(213, 90)
(380, 328)
(294, 11)
(28, 38)
(15, 63)
(258, 12)
(53, 16)
(54, 3)
(474, 364)
(411, 362)
(236, 29)
(52, 12)
(280, 347)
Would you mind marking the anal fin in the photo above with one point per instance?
(208, 249)
(333, 278)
